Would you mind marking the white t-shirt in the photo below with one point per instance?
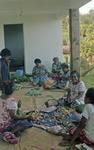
(88, 113)
(75, 89)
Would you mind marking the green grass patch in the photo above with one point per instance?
(89, 80)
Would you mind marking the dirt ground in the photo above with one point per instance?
(34, 138)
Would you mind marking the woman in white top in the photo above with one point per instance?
(76, 89)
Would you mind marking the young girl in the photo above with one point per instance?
(85, 129)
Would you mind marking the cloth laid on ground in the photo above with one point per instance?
(59, 130)
(59, 116)
(49, 109)
(40, 126)
(50, 118)
(55, 130)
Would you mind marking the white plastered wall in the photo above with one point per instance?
(42, 38)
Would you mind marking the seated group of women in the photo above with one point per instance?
(63, 79)
(76, 94)
(60, 73)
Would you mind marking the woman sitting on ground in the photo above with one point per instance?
(39, 73)
(14, 122)
(64, 79)
(56, 69)
(85, 129)
(75, 90)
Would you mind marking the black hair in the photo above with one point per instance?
(64, 65)
(90, 95)
(75, 72)
(55, 58)
(37, 60)
(8, 88)
(5, 52)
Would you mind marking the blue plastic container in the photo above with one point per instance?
(19, 72)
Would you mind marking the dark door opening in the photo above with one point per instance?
(14, 40)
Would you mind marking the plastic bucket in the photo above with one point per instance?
(19, 72)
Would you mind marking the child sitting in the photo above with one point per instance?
(85, 129)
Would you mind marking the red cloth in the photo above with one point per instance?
(56, 77)
(83, 137)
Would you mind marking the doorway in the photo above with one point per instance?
(14, 41)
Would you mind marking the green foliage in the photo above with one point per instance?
(87, 40)
(87, 43)
(84, 64)
(87, 18)
(86, 34)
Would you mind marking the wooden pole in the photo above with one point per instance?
(74, 39)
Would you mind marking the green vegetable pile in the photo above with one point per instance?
(24, 78)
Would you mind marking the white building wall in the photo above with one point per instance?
(42, 38)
